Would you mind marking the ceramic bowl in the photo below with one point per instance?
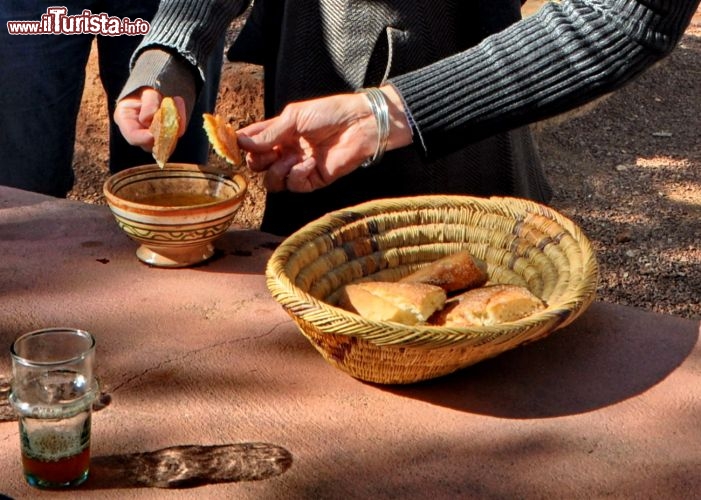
(175, 213)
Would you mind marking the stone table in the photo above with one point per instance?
(201, 366)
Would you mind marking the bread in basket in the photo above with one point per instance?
(522, 242)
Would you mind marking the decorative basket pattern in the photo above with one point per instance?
(522, 242)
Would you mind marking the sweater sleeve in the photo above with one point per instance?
(190, 29)
(565, 55)
(162, 71)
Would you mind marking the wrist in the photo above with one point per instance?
(379, 108)
(387, 112)
(169, 75)
(400, 133)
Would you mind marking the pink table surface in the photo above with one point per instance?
(607, 407)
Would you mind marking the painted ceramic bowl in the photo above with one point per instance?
(175, 213)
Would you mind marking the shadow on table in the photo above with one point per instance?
(611, 353)
(241, 251)
(189, 466)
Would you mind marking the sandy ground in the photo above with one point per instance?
(627, 168)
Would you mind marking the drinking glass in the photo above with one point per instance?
(52, 391)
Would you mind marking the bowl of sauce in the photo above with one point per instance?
(174, 213)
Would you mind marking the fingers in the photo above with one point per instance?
(134, 114)
(262, 137)
(304, 148)
(180, 105)
(126, 116)
(250, 138)
(150, 102)
(276, 176)
(263, 143)
(297, 176)
(304, 177)
(260, 161)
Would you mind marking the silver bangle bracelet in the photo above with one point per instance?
(380, 110)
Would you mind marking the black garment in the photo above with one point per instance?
(366, 44)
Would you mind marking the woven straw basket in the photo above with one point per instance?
(523, 243)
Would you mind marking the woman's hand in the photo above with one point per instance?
(134, 114)
(313, 143)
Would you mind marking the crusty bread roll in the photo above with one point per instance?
(459, 271)
(489, 305)
(407, 303)
(165, 127)
(222, 137)
(358, 300)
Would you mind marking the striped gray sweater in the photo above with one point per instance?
(471, 74)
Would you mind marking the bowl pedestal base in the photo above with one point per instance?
(174, 257)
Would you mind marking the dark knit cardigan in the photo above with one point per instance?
(471, 76)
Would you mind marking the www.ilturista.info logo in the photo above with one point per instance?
(56, 21)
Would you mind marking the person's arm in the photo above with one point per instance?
(191, 29)
(565, 55)
(171, 60)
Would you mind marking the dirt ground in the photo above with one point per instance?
(627, 168)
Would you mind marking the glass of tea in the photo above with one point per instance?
(52, 391)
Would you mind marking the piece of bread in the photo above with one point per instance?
(222, 137)
(459, 271)
(489, 305)
(164, 128)
(406, 303)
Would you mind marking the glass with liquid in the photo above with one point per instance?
(53, 389)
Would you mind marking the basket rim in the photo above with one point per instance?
(307, 307)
